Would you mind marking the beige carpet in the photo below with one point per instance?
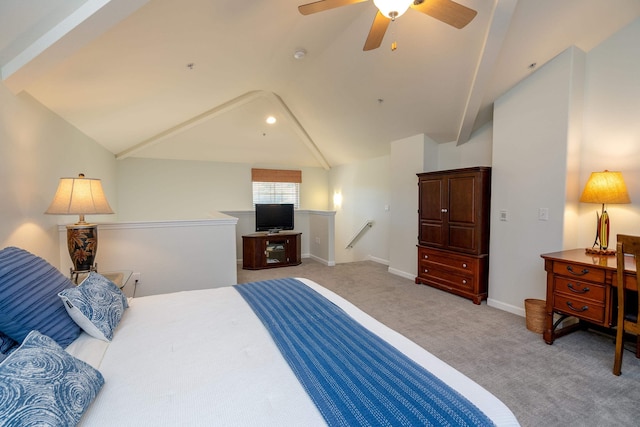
(568, 383)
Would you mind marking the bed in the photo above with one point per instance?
(228, 356)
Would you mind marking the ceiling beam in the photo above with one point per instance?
(494, 39)
(224, 108)
(88, 22)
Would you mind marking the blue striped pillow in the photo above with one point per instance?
(45, 385)
(6, 344)
(29, 288)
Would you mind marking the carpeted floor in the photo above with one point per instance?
(568, 383)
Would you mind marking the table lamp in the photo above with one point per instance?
(604, 187)
(80, 196)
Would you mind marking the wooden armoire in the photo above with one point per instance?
(453, 237)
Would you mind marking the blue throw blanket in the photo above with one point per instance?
(353, 376)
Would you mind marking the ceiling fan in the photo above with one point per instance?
(447, 11)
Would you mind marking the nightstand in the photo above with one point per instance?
(120, 278)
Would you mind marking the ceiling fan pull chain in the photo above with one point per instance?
(394, 44)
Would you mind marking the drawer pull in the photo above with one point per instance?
(578, 291)
(464, 281)
(579, 310)
(582, 273)
(426, 257)
(426, 271)
(464, 265)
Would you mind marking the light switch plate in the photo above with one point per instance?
(543, 214)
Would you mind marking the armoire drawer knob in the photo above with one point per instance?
(426, 271)
(464, 265)
(426, 257)
(464, 282)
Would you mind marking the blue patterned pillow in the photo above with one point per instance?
(29, 288)
(96, 305)
(41, 384)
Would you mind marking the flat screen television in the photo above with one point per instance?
(273, 217)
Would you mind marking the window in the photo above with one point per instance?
(276, 186)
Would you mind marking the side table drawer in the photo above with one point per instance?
(630, 281)
(579, 289)
(581, 272)
(586, 309)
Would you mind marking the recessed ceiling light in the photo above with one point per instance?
(270, 120)
(299, 53)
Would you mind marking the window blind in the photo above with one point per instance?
(276, 186)
(276, 175)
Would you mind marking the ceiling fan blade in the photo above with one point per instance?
(447, 11)
(376, 33)
(319, 6)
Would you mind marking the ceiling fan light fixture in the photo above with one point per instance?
(392, 8)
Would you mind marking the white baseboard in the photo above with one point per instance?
(321, 260)
(378, 260)
(505, 307)
(401, 273)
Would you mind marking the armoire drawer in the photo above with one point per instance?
(458, 262)
(446, 276)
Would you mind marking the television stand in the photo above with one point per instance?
(271, 250)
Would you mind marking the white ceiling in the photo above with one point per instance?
(118, 71)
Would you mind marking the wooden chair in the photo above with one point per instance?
(627, 310)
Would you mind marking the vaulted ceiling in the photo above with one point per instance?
(196, 79)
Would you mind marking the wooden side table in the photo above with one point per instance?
(120, 278)
(582, 285)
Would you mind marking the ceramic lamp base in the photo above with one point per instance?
(82, 243)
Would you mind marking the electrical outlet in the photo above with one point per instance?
(135, 278)
(504, 215)
(317, 240)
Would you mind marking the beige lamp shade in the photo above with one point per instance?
(605, 188)
(80, 196)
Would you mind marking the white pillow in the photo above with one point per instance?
(96, 305)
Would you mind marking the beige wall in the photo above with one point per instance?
(151, 189)
(364, 189)
(575, 115)
(531, 171)
(36, 149)
(611, 134)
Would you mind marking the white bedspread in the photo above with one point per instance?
(203, 358)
